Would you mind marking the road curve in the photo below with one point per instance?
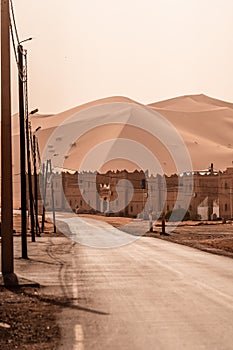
(152, 294)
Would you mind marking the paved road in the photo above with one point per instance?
(149, 294)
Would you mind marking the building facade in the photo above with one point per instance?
(206, 195)
(225, 186)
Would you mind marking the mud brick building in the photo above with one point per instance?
(225, 186)
(206, 195)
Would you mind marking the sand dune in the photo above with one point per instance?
(191, 103)
(205, 124)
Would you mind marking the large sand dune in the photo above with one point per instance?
(204, 123)
(206, 126)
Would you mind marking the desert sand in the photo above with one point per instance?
(203, 123)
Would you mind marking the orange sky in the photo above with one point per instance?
(147, 50)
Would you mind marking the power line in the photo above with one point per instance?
(13, 42)
(13, 17)
(14, 33)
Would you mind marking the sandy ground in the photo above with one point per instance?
(27, 321)
(216, 238)
(27, 318)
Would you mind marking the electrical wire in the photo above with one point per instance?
(15, 38)
(13, 43)
(13, 17)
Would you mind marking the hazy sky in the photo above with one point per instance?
(147, 50)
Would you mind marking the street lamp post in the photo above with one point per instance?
(35, 145)
(45, 182)
(22, 155)
(21, 77)
(52, 195)
(31, 199)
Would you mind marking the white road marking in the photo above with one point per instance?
(78, 343)
(78, 331)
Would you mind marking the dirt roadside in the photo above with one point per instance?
(27, 317)
(215, 238)
(28, 321)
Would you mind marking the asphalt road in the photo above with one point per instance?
(148, 294)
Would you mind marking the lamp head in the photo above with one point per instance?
(37, 129)
(34, 111)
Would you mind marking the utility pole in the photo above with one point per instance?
(53, 206)
(231, 202)
(31, 199)
(22, 154)
(35, 184)
(45, 182)
(6, 152)
(52, 195)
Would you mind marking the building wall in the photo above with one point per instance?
(205, 189)
(225, 186)
(211, 193)
(123, 190)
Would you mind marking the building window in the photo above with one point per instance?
(70, 202)
(190, 208)
(226, 186)
(168, 208)
(226, 207)
(81, 202)
(143, 184)
(131, 208)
